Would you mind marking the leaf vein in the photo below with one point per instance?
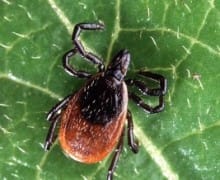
(156, 154)
(190, 134)
(177, 33)
(61, 16)
(30, 85)
(116, 30)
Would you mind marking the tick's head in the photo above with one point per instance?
(119, 65)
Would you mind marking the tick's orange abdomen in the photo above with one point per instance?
(85, 141)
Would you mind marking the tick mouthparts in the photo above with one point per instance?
(125, 52)
(125, 61)
(119, 65)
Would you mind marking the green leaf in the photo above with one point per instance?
(178, 39)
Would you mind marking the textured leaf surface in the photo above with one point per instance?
(179, 39)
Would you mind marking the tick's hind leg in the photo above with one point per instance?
(115, 158)
(50, 135)
(54, 116)
(75, 37)
(145, 90)
(131, 139)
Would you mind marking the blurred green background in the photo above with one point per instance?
(179, 39)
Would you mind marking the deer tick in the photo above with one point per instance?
(93, 118)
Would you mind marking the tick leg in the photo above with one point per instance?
(69, 69)
(50, 135)
(156, 77)
(115, 158)
(88, 55)
(131, 139)
(54, 116)
(148, 91)
(147, 107)
(57, 108)
(160, 92)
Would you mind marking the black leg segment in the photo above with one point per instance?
(145, 90)
(53, 117)
(147, 107)
(57, 108)
(132, 142)
(115, 158)
(87, 55)
(156, 77)
(50, 135)
(69, 69)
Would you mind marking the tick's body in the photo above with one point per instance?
(85, 137)
(93, 118)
